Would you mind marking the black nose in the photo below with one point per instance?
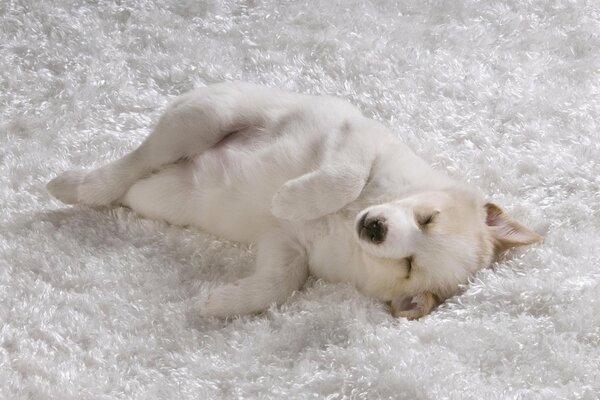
(372, 229)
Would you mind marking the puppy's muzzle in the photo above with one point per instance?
(372, 229)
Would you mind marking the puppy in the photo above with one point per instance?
(317, 186)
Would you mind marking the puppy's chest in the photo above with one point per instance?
(332, 255)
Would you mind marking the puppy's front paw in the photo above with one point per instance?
(221, 302)
(208, 308)
(65, 187)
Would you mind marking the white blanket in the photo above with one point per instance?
(98, 304)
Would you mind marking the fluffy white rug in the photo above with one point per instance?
(99, 304)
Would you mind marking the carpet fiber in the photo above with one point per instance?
(99, 304)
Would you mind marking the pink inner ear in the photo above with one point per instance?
(406, 304)
(506, 231)
(494, 213)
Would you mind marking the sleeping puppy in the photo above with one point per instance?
(318, 187)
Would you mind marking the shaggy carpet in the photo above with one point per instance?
(99, 304)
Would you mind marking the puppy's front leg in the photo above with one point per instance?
(338, 181)
(281, 268)
(318, 193)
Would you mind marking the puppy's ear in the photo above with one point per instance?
(507, 232)
(414, 307)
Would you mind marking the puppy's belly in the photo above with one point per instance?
(224, 191)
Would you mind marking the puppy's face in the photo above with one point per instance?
(437, 238)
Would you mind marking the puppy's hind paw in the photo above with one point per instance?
(65, 187)
(102, 187)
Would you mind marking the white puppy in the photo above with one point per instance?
(320, 188)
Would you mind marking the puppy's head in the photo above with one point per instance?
(439, 238)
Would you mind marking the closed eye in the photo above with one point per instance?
(427, 219)
(409, 265)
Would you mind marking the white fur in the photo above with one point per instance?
(295, 174)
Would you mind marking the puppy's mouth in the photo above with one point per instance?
(372, 229)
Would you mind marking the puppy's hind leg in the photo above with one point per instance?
(191, 124)
(281, 268)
